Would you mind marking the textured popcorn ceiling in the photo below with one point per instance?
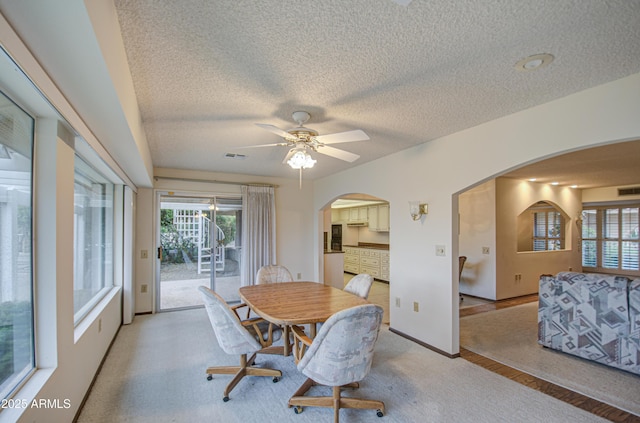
(205, 71)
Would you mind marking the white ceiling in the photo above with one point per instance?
(205, 71)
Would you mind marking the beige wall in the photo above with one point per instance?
(597, 195)
(477, 208)
(512, 198)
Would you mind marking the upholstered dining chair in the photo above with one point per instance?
(339, 356)
(461, 261)
(236, 337)
(273, 273)
(360, 285)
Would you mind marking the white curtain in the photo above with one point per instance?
(258, 230)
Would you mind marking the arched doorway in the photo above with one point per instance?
(356, 237)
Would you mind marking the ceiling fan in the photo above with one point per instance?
(301, 139)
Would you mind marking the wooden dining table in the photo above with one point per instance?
(297, 303)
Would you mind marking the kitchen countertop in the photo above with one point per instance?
(370, 245)
(333, 251)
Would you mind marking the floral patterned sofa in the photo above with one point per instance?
(593, 316)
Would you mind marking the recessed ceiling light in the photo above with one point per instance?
(555, 183)
(532, 179)
(534, 62)
(574, 186)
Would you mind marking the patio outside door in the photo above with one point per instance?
(199, 241)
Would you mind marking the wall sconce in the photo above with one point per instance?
(417, 209)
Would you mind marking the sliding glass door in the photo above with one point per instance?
(199, 241)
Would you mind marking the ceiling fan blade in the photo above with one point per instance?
(276, 130)
(275, 144)
(338, 137)
(337, 153)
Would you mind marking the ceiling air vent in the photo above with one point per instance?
(234, 156)
(629, 191)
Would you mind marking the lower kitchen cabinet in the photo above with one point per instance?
(367, 260)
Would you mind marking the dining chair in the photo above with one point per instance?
(461, 261)
(360, 285)
(339, 356)
(273, 273)
(239, 337)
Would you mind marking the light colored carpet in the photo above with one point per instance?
(509, 336)
(155, 372)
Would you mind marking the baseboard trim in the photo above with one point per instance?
(424, 344)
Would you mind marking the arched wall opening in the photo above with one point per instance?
(355, 236)
(506, 270)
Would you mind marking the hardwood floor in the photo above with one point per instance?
(578, 400)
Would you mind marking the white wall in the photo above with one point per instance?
(437, 170)
(477, 208)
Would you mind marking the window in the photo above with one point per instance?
(541, 228)
(610, 238)
(16, 287)
(548, 231)
(93, 238)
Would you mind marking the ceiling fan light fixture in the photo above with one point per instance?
(301, 160)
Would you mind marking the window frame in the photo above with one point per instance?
(17, 379)
(107, 270)
(607, 235)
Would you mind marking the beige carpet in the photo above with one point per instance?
(509, 336)
(155, 372)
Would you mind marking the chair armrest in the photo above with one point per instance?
(264, 334)
(298, 332)
(300, 342)
(236, 307)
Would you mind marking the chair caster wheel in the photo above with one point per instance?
(225, 399)
(379, 413)
(210, 377)
(297, 409)
(276, 379)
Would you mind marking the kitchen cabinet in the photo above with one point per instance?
(383, 218)
(372, 215)
(370, 262)
(367, 260)
(384, 265)
(357, 215)
(351, 260)
(379, 218)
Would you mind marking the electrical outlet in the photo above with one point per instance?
(416, 307)
(485, 250)
(144, 254)
(440, 251)
(299, 276)
(143, 288)
(397, 301)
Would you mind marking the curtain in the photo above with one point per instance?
(259, 230)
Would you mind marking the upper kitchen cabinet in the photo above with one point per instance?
(339, 215)
(379, 218)
(358, 215)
